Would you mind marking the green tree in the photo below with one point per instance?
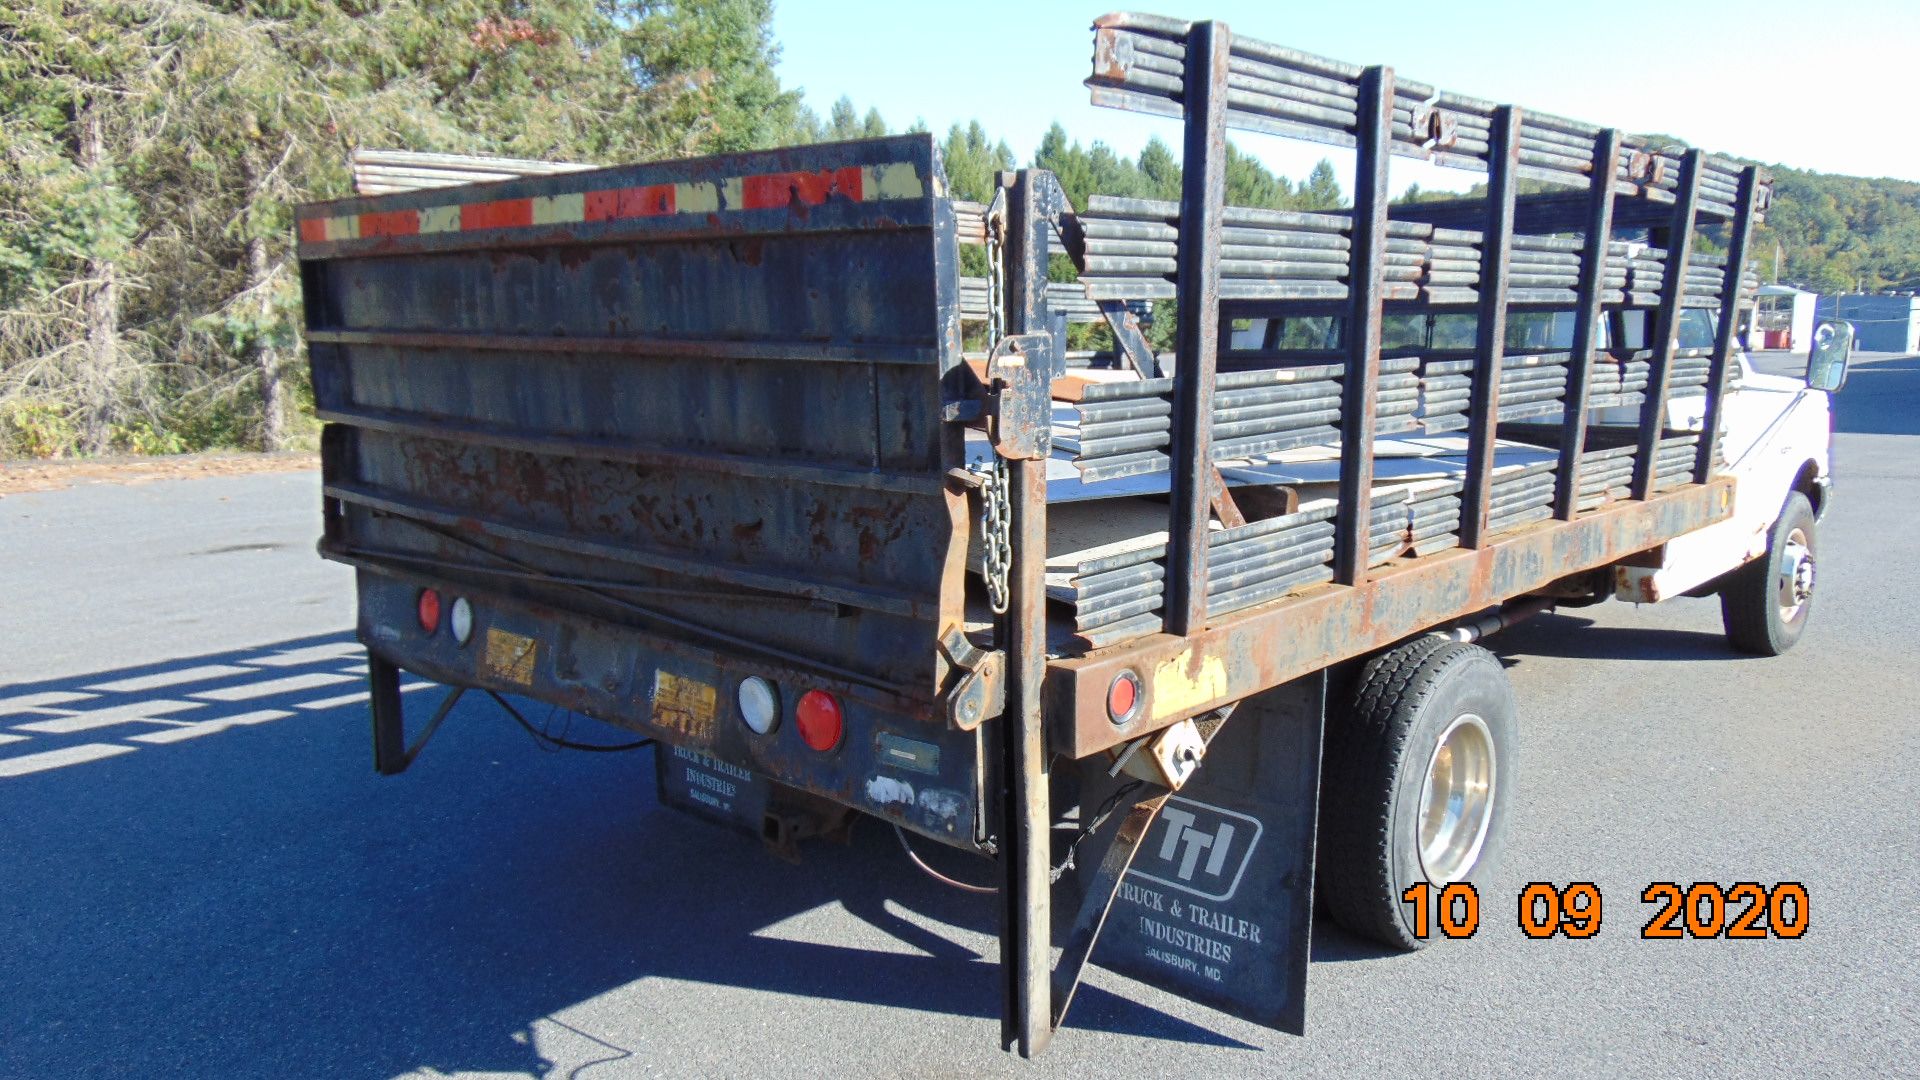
(1160, 170)
(971, 161)
(843, 121)
(70, 373)
(1322, 189)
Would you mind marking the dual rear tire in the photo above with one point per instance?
(1416, 783)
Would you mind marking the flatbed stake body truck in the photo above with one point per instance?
(734, 452)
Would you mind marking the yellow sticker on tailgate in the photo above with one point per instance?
(1180, 685)
(509, 656)
(685, 705)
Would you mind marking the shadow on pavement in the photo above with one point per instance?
(204, 877)
(1575, 637)
(1881, 398)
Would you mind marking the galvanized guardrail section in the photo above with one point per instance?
(1139, 63)
(1483, 257)
(385, 172)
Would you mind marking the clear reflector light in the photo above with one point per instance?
(460, 620)
(759, 704)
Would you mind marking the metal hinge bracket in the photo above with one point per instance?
(980, 694)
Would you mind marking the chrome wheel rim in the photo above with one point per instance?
(1456, 800)
(1795, 587)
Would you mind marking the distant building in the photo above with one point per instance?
(1782, 318)
(1882, 322)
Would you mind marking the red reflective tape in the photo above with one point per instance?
(390, 223)
(313, 230)
(773, 190)
(649, 201)
(500, 214)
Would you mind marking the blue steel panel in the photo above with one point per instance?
(731, 419)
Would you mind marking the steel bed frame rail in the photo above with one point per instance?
(1361, 610)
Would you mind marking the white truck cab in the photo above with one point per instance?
(1776, 437)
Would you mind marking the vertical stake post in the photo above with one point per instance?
(1359, 389)
(1744, 203)
(1496, 249)
(1203, 188)
(1587, 322)
(1026, 925)
(1666, 324)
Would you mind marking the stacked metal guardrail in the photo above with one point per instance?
(383, 172)
(1118, 596)
(1706, 279)
(1139, 63)
(1433, 516)
(1129, 249)
(1606, 471)
(1687, 375)
(1522, 495)
(1132, 247)
(1125, 428)
(1531, 385)
(1063, 298)
(1613, 381)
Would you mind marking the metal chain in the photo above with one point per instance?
(996, 279)
(996, 528)
(996, 508)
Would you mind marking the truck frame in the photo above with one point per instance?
(707, 450)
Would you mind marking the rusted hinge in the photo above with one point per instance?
(981, 692)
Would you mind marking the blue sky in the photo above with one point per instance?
(1824, 86)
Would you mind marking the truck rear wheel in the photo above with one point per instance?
(1415, 783)
(1764, 604)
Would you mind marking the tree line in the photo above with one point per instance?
(151, 152)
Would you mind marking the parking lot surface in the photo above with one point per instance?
(201, 876)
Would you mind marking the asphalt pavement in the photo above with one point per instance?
(200, 875)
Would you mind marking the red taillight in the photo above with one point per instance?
(429, 610)
(818, 717)
(1123, 697)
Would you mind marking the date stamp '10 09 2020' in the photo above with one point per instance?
(1742, 911)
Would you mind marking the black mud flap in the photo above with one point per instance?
(1218, 904)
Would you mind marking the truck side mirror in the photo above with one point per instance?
(1827, 360)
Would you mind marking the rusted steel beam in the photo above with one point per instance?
(1128, 340)
(1359, 397)
(1202, 193)
(1263, 647)
(442, 516)
(1666, 323)
(600, 448)
(1724, 340)
(1221, 500)
(1586, 325)
(1095, 904)
(1496, 248)
(1026, 955)
(659, 348)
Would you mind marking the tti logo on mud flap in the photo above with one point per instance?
(1199, 849)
